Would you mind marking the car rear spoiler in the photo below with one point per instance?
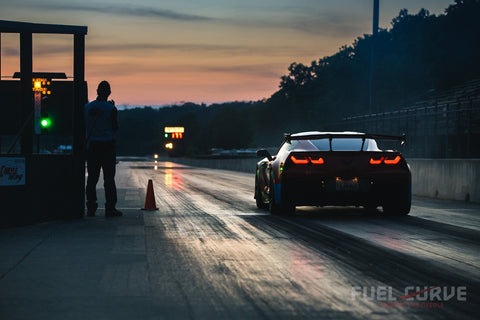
(330, 136)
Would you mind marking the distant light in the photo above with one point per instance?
(155, 156)
(174, 129)
(169, 146)
(166, 135)
(177, 135)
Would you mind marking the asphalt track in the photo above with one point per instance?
(238, 261)
(209, 253)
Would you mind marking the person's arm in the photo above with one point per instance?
(115, 125)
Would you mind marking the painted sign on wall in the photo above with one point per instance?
(12, 171)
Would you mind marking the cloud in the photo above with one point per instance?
(244, 50)
(126, 49)
(266, 70)
(118, 9)
(332, 24)
(10, 52)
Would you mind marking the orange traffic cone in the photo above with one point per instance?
(150, 198)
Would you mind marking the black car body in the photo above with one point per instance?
(333, 168)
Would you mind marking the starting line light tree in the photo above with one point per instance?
(174, 140)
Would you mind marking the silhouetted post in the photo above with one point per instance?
(0, 58)
(0, 80)
(372, 56)
(26, 65)
(80, 99)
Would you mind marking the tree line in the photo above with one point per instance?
(418, 53)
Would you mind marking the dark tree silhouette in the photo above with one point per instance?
(420, 52)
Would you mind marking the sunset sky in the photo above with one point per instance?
(157, 52)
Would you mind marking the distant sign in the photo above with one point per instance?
(12, 171)
(174, 129)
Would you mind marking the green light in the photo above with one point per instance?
(45, 122)
(166, 135)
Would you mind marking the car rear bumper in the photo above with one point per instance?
(361, 191)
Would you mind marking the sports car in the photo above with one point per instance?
(333, 168)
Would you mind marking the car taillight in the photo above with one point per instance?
(305, 160)
(385, 160)
(394, 161)
(318, 161)
(373, 161)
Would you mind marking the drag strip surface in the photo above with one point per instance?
(212, 254)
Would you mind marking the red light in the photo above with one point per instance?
(372, 161)
(299, 161)
(177, 135)
(394, 161)
(318, 161)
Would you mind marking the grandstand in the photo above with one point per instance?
(439, 124)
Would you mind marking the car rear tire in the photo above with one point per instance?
(258, 196)
(400, 204)
(282, 208)
(370, 210)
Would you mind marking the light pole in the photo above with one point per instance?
(372, 55)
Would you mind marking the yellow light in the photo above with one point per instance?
(174, 129)
(49, 92)
(38, 84)
(155, 156)
(169, 146)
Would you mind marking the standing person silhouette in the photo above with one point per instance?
(102, 125)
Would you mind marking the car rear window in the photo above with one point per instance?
(339, 144)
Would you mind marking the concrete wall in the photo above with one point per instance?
(455, 179)
(452, 179)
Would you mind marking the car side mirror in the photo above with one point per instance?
(265, 154)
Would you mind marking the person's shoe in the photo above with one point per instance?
(113, 213)
(91, 210)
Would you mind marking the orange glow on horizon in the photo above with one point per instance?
(158, 54)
